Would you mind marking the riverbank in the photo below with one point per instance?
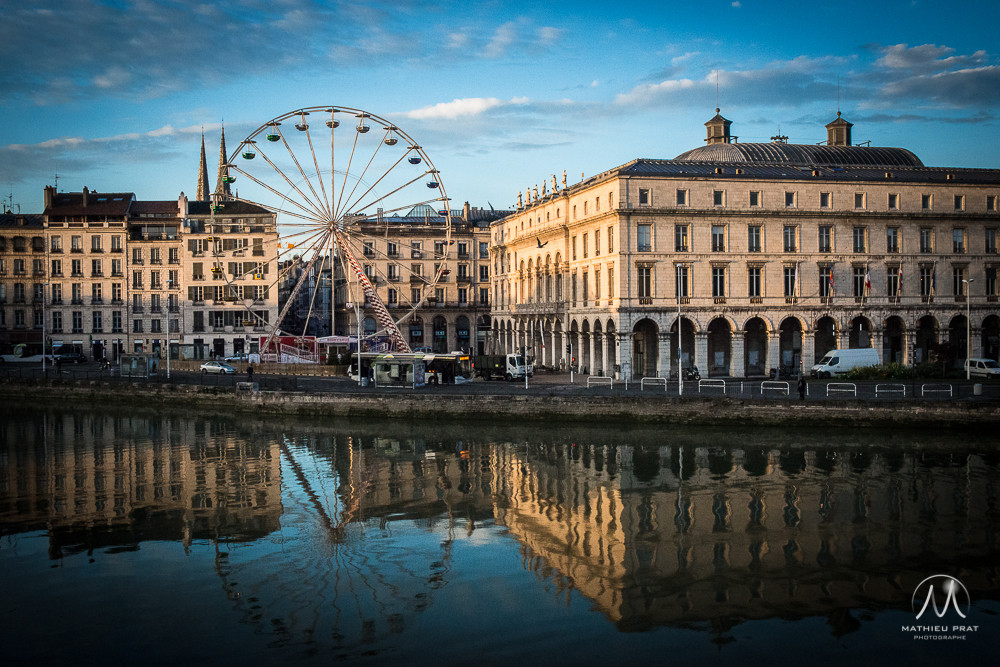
(536, 405)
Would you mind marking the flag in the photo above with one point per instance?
(933, 280)
(868, 281)
(899, 282)
(796, 290)
(830, 290)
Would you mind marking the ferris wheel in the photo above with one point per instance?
(351, 191)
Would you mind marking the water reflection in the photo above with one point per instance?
(343, 538)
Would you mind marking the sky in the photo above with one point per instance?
(114, 95)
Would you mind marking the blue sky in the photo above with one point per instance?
(114, 95)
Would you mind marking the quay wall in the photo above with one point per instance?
(529, 408)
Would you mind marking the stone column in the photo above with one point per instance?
(663, 367)
(808, 351)
(701, 352)
(844, 339)
(737, 356)
(590, 354)
(877, 342)
(976, 344)
(773, 350)
(625, 354)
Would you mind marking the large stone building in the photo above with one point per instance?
(769, 253)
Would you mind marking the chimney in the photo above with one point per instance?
(182, 206)
(49, 196)
(465, 212)
(85, 193)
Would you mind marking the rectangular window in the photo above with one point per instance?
(789, 281)
(645, 284)
(55, 244)
(753, 282)
(97, 322)
(958, 240)
(991, 203)
(611, 239)
(681, 274)
(574, 246)
(585, 246)
(76, 266)
(95, 268)
(597, 243)
(718, 282)
(991, 240)
(682, 197)
(789, 200)
(892, 239)
(76, 244)
(825, 238)
(644, 238)
(858, 280)
(826, 281)
(926, 202)
(680, 238)
(137, 255)
(991, 283)
(926, 240)
(959, 202)
(959, 286)
(718, 197)
(893, 202)
(824, 200)
(77, 321)
(718, 238)
(859, 200)
(753, 238)
(755, 198)
(95, 244)
(586, 287)
(859, 234)
(644, 198)
(789, 236)
(892, 281)
(928, 281)
(484, 273)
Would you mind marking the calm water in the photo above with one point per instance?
(174, 539)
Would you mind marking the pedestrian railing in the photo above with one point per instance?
(842, 388)
(599, 380)
(881, 389)
(712, 384)
(651, 381)
(773, 385)
(935, 389)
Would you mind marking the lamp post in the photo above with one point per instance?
(968, 325)
(680, 338)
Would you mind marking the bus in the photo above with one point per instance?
(411, 369)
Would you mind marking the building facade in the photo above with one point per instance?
(768, 254)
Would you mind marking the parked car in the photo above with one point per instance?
(237, 357)
(986, 368)
(836, 362)
(71, 358)
(217, 367)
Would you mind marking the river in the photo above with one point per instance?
(176, 538)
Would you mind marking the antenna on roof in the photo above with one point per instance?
(57, 182)
(717, 90)
(838, 96)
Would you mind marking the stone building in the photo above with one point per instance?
(770, 254)
(22, 281)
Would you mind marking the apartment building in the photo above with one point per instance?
(769, 254)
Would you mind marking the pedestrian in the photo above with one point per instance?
(58, 364)
(802, 388)
(250, 371)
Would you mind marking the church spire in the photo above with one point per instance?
(221, 186)
(203, 192)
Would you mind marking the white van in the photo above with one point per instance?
(840, 361)
(986, 368)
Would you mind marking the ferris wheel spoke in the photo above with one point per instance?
(389, 194)
(317, 210)
(361, 177)
(313, 214)
(305, 177)
(319, 177)
(337, 211)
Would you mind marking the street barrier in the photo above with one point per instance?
(597, 379)
(930, 388)
(767, 385)
(890, 389)
(712, 384)
(652, 381)
(842, 388)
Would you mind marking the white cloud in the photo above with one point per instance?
(470, 106)
(737, 4)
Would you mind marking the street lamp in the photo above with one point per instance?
(968, 326)
(680, 338)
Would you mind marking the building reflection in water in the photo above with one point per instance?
(698, 529)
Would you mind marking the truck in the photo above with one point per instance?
(505, 366)
(836, 362)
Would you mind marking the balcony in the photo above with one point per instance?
(756, 300)
(719, 300)
(645, 301)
